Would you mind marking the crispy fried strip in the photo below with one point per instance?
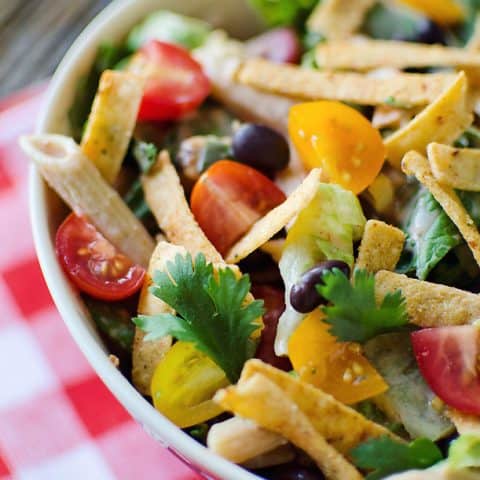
(261, 400)
(416, 164)
(430, 304)
(338, 19)
(370, 54)
(240, 440)
(147, 355)
(442, 121)
(463, 422)
(341, 426)
(166, 198)
(111, 121)
(381, 247)
(78, 182)
(265, 228)
(455, 167)
(408, 89)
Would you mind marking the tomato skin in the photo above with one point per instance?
(175, 82)
(340, 140)
(338, 368)
(274, 302)
(184, 383)
(93, 264)
(448, 358)
(229, 198)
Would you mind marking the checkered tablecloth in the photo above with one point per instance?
(57, 419)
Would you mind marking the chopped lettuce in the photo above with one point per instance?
(464, 452)
(324, 230)
(169, 27)
(283, 12)
(431, 235)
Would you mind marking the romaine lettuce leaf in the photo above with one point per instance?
(464, 452)
(169, 27)
(431, 235)
(283, 12)
(324, 230)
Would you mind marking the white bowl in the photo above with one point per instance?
(111, 25)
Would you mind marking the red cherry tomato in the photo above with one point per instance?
(274, 303)
(280, 45)
(448, 358)
(229, 198)
(95, 266)
(175, 82)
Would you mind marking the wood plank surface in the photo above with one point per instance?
(35, 34)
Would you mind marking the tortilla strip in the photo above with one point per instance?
(381, 247)
(240, 440)
(442, 121)
(338, 19)
(416, 164)
(147, 355)
(408, 89)
(430, 304)
(342, 427)
(464, 423)
(371, 54)
(265, 228)
(261, 400)
(455, 167)
(112, 120)
(166, 198)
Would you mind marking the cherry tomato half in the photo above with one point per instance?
(229, 198)
(448, 358)
(338, 368)
(95, 266)
(184, 383)
(175, 82)
(274, 302)
(340, 140)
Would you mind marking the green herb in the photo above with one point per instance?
(283, 12)
(431, 235)
(114, 321)
(385, 456)
(211, 311)
(107, 57)
(353, 313)
(199, 432)
(464, 452)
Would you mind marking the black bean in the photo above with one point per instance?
(260, 147)
(426, 32)
(304, 296)
(291, 472)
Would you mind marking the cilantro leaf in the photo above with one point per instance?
(210, 311)
(385, 456)
(353, 313)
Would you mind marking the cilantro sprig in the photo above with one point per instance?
(353, 312)
(385, 456)
(210, 311)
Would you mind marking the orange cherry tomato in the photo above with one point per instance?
(338, 139)
(338, 368)
(229, 198)
(445, 12)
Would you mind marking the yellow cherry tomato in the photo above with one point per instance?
(338, 368)
(446, 12)
(184, 383)
(338, 139)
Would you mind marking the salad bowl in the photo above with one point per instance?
(46, 213)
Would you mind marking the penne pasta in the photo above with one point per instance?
(78, 182)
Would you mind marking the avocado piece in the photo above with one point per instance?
(409, 398)
(169, 27)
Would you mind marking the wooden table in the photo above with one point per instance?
(35, 34)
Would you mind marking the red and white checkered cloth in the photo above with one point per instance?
(57, 419)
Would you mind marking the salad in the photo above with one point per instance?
(278, 238)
